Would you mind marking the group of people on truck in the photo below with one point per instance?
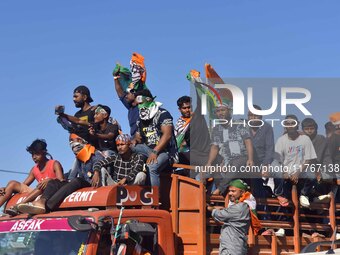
(298, 157)
(104, 155)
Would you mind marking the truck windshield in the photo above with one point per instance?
(41, 237)
(43, 242)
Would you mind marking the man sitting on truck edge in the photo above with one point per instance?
(80, 177)
(126, 167)
(103, 131)
(44, 170)
(155, 136)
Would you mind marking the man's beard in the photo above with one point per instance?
(79, 104)
(226, 117)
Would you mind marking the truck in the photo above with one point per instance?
(144, 220)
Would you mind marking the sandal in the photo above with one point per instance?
(12, 211)
(283, 201)
(268, 232)
(316, 234)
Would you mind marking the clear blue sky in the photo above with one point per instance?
(47, 48)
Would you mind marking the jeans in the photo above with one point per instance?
(107, 179)
(56, 191)
(156, 168)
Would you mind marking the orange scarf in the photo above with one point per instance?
(249, 199)
(85, 153)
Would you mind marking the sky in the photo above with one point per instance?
(47, 48)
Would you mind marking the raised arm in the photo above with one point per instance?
(118, 86)
(75, 120)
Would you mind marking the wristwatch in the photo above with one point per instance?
(154, 152)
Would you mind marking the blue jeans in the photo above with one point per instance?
(156, 168)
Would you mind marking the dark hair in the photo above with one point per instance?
(144, 92)
(84, 91)
(38, 145)
(292, 116)
(307, 122)
(329, 126)
(182, 100)
(106, 108)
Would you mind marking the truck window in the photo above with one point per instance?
(146, 241)
(43, 242)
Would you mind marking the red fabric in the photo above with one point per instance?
(48, 171)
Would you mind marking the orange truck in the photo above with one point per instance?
(113, 220)
(135, 220)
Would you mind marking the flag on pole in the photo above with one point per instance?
(212, 79)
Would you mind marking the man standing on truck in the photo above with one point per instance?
(236, 220)
(233, 142)
(182, 129)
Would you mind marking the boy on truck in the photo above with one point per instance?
(43, 171)
(80, 177)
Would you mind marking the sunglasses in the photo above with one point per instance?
(121, 144)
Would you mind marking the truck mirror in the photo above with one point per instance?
(80, 223)
(140, 228)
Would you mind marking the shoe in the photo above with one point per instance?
(304, 201)
(281, 232)
(30, 208)
(322, 199)
(337, 236)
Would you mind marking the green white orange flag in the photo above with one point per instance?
(213, 78)
(133, 78)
